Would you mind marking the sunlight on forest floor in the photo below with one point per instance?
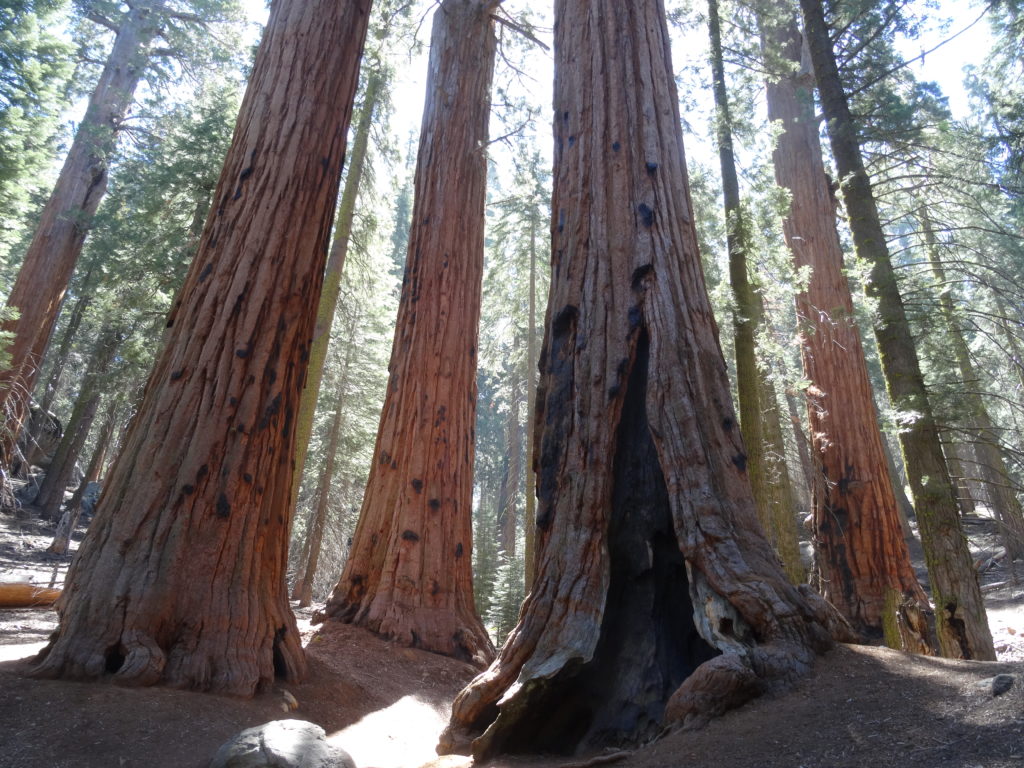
(20, 651)
(398, 736)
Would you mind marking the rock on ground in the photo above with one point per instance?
(281, 744)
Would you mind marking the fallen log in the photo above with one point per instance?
(25, 595)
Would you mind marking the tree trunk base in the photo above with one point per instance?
(438, 631)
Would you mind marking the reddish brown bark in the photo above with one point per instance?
(861, 554)
(409, 574)
(53, 253)
(181, 579)
(960, 620)
(654, 579)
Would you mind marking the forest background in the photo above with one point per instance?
(942, 132)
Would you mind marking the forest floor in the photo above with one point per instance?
(862, 708)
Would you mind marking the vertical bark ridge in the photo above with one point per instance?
(409, 574)
(627, 294)
(861, 553)
(961, 622)
(182, 577)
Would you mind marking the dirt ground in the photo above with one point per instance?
(863, 708)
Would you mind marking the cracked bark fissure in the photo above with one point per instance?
(409, 574)
(961, 622)
(650, 558)
(181, 579)
(861, 553)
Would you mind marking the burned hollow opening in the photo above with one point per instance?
(648, 643)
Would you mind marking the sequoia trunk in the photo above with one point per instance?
(961, 621)
(64, 222)
(409, 574)
(861, 554)
(182, 576)
(653, 574)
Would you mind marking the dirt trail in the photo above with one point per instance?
(863, 708)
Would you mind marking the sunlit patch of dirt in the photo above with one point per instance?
(386, 705)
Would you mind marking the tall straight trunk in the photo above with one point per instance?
(300, 577)
(961, 621)
(316, 533)
(530, 513)
(51, 491)
(1001, 492)
(332, 278)
(409, 576)
(653, 574)
(508, 494)
(61, 354)
(807, 469)
(961, 463)
(303, 590)
(746, 314)
(69, 520)
(181, 579)
(782, 510)
(64, 222)
(862, 561)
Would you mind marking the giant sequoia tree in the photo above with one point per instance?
(409, 575)
(181, 579)
(961, 623)
(862, 564)
(657, 594)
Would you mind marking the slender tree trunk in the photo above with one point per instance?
(300, 578)
(332, 279)
(316, 533)
(409, 576)
(63, 351)
(653, 574)
(181, 579)
(508, 494)
(959, 459)
(1001, 492)
(303, 591)
(782, 511)
(807, 469)
(746, 314)
(64, 222)
(530, 513)
(960, 616)
(861, 555)
(69, 520)
(51, 491)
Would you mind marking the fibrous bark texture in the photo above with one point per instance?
(771, 496)
(860, 553)
(409, 575)
(654, 578)
(961, 622)
(51, 257)
(181, 579)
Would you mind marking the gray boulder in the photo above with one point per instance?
(281, 744)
